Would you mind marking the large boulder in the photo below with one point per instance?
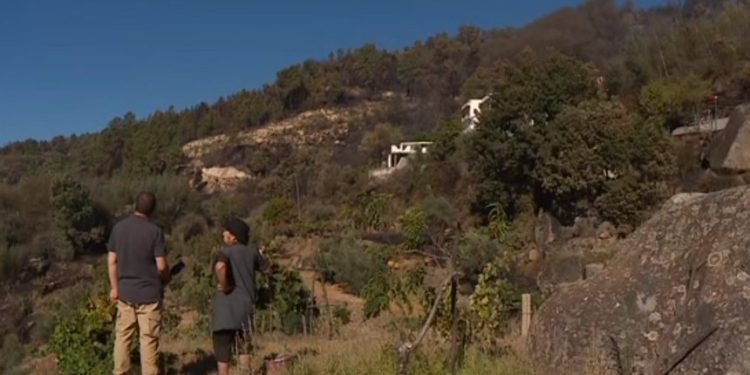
(676, 296)
(730, 151)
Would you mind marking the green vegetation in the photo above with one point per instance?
(373, 360)
(349, 261)
(83, 341)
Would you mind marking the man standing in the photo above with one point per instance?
(138, 271)
(234, 300)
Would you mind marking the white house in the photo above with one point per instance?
(470, 113)
(405, 149)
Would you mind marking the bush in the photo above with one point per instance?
(83, 341)
(377, 142)
(319, 218)
(278, 210)
(398, 288)
(376, 293)
(473, 252)
(219, 208)
(676, 101)
(12, 260)
(348, 261)
(493, 299)
(54, 244)
(282, 291)
(414, 227)
(190, 226)
(321, 212)
(75, 213)
(440, 219)
(197, 277)
(10, 227)
(446, 137)
(12, 357)
(342, 315)
(174, 197)
(372, 211)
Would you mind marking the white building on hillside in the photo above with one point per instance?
(398, 157)
(470, 113)
(405, 149)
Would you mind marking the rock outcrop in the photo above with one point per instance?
(308, 128)
(218, 179)
(675, 299)
(730, 152)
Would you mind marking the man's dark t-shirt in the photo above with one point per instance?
(137, 242)
(234, 310)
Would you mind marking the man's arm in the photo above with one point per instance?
(114, 293)
(221, 276)
(160, 254)
(163, 267)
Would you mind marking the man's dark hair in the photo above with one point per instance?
(145, 203)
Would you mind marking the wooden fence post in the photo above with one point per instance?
(526, 314)
(454, 327)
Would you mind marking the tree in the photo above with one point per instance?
(503, 151)
(75, 214)
(585, 147)
(550, 134)
(674, 102)
(293, 91)
(445, 139)
(377, 142)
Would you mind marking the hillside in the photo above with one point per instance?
(573, 153)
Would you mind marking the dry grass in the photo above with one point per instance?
(369, 349)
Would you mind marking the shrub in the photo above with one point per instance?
(282, 291)
(674, 101)
(348, 261)
(10, 227)
(319, 218)
(373, 209)
(413, 227)
(189, 226)
(376, 293)
(75, 213)
(83, 341)
(342, 315)
(446, 137)
(12, 357)
(377, 142)
(173, 195)
(475, 250)
(278, 210)
(54, 244)
(440, 219)
(219, 208)
(321, 212)
(493, 299)
(198, 284)
(11, 261)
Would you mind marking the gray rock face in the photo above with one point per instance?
(592, 269)
(676, 295)
(730, 152)
(560, 271)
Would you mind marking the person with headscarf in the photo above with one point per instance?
(234, 300)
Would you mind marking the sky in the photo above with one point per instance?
(69, 67)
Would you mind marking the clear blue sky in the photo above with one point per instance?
(71, 66)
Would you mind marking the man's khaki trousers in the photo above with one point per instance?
(147, 318)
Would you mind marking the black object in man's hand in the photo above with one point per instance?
(177, 268)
